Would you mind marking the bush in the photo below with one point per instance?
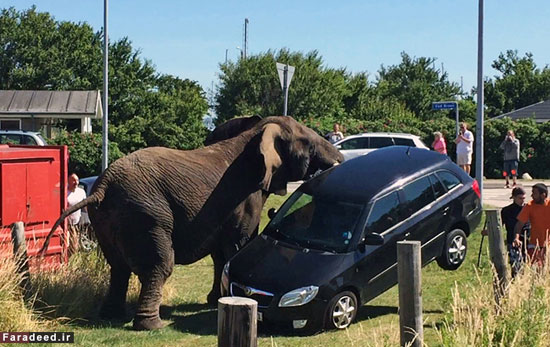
(85, 152)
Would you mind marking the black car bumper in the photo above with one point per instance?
(271, 315)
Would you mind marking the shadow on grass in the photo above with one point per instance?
(193, 318)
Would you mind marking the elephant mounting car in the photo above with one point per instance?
(158, 207)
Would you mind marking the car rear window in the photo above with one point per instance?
(417, 195)
(28, 140)
(399, 141)
(437, 186)
(358, 143)
(380, 142)
(448, 179)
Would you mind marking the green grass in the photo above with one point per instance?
(190, 322)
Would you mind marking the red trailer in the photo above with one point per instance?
(33, 190)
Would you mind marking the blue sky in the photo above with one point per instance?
(189, 38)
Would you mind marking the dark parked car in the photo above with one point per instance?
(332, 245)
(87, 183)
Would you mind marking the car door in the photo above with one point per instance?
(354, 147)
(376, 269)
(426, 214)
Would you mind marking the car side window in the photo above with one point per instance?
(417, 195)
(28, 140)
(11, 139)
(380, 142)
(384, 213)
(358, 143)
(399, 141)
(437, 186)
(448, 179)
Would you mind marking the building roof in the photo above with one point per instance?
(539, 111)
(50, 104)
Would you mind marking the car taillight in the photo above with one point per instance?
(475, 187)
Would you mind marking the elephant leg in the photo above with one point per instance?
(219, 261)
(114, 305)
(152, 280)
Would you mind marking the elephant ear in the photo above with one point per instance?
(272, 159)
(231, 128)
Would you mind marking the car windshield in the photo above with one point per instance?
(315, 223)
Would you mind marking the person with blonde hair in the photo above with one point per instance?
(439, 144)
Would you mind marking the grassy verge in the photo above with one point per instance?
(69, 300)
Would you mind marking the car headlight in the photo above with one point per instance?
(299, 297)
(225, 278)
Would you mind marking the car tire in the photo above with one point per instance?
(341, 310)
(454, 251)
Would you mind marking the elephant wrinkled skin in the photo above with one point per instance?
(158, 207)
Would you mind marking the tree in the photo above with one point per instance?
(416, 83)
(145, 108)
(251, 86)
(519, 84)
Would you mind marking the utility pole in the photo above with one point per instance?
(245, 45)
(479, 123)
(226, 55)
(105, 142)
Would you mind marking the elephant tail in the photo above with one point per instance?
(93, 199)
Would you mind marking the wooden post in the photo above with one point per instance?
(409, 264)
(237, 322)
(20, 254)
(497, 251)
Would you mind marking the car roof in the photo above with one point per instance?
(383, 135)
(360, 179)
(19, 132)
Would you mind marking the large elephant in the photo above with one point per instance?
(242, 224)
(158, 207)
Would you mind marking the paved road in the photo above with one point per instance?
(494, 193)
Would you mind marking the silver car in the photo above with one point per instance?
(22, 137)
(360, 144)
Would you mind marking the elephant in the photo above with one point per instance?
(243, 223)
(158, 207)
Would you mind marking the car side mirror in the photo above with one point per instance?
(373, 239)
(338, 146)
(271, 212)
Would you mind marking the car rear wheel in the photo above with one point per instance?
(455, 249)
(341, 310)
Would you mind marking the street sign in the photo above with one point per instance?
(285, 76)
(446, 105)
(281, 69)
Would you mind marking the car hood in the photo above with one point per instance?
(278, 267)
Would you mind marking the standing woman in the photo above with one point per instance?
(439, 144)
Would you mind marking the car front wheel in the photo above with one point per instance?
(341, 310)
(454, 252)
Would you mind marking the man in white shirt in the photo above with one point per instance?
(75, 194)
(464, 147)
(335, 135)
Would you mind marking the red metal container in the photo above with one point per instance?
(33, 190)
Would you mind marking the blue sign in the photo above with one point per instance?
(444, 105)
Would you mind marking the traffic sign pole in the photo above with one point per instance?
(448, 105)
(285, 72)
(285, 90)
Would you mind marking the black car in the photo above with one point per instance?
(332, 245)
